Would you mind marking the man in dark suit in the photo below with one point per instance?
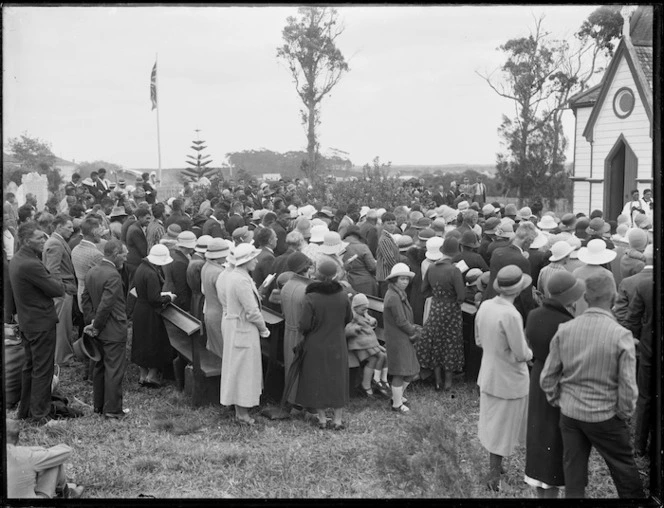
(265, 239)
(270, 221)
(137, 242)
(57, 260)
(639, 320)
(235, 219)
(213, 226)
(34, 289)
(513, 254)
(439, 197)
(104, 309)
(179, 217)
(176, 274)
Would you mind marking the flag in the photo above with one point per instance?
(153, 86)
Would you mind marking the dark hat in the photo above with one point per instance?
(173, 231)
(491, 225)
(326, 269)
(567, 222)
(510, 210)
(450, 246)
(297, 262)
(564, 287)
(469, 239)
(511, 280)
(353, 230)
(85, 348)
(597, 226)
(422, 223)
(425, 234)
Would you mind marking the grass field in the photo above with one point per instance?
(166, 449)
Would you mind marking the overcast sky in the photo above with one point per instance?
(78, 77)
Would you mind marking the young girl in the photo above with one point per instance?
(363, 344)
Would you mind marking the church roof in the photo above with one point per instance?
(641, 25)
(586, 98)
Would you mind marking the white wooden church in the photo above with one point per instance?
(613, 138)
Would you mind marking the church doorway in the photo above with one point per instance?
(619, 178)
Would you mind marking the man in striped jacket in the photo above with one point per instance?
(387, 252)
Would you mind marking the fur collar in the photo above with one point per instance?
(324, 288)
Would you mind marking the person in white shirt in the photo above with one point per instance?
(634, 204)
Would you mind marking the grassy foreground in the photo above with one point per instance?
(166, 449)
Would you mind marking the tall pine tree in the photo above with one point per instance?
(198, 161)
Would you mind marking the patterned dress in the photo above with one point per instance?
(442, 337)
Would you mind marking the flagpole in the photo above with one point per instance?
(156, 82)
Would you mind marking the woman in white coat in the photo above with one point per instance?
(503, 379)
(241, 367)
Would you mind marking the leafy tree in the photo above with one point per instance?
(316, 64)
(198, 162)
(603, 27)
(31, 152)
(539, 76)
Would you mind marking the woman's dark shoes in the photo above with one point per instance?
(379, 388)
(493, 484)
(438, 388)
(366, 393)
(152, 383)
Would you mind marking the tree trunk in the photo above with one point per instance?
(311, 140)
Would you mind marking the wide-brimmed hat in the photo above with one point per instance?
(450, 246)
(187, 239)
(404, 242)
(510, 280)
(85, 348)
(307, 211)
(425, 234)
(439, 225)
(448, 213)
(202, 243)
(547, 223)
(469, 239)
(431, 214)
(540, 241)
(240, 232)
(596, 253)
(564, 287)
(318, 233)
(560, 250)
(297, 262)
(353, 231)
(622, 219)
(400, 270)
(463, 205)
(491, 225)
(567, 222)
(257, 215)
(621, 233)
(524, 214)
(433, 245)
(363, 211)
(505, 230)
(217, 248)
(332, 243)
(242, 254)
(118, 211)
(159, 255)
(597, 226)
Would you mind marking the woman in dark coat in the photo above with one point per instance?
(151, 350)
(418, 254)
(361, 272)
(323, 380)
(442, 337)
(544, 444)
(400, 333)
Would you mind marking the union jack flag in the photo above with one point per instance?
(153, 86)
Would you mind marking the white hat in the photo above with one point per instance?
(547, 223)
(463, 205)
(596, 253)
(242, 254)
(363, 211)
(332, 243)
(187, 239)
(560, 250)
(433, 246)
(202, 243)
(217, 248)
(399, 270)
(510, 280)
(318, 233)
(540, 241)
(159, 255)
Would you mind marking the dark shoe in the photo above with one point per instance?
(493, 484)
(378, 388)
(401, 409)
(338, 426)
(151, 383)
(367, 394)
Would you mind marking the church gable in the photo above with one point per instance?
(624, 73)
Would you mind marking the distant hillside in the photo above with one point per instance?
(406, 169)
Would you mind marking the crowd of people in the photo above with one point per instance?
(562, 308)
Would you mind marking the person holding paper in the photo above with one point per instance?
(442, 338)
